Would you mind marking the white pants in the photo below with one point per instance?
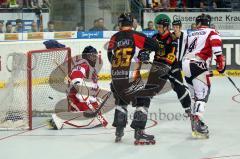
(197, 77)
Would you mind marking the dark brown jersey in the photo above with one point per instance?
(168, 44)
(123, 51)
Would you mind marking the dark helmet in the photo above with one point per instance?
(164, 21)
(177, 22)
(125, 19)
(204, 19)
(90, 54)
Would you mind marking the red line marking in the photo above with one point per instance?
(22, 132)
(154, 124)
(222, 157)
(234, 98)
(102, 133)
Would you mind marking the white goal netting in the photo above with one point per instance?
(35, 87)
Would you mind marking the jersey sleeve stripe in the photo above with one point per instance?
(215, 37)
(217, 50)
(111, 44)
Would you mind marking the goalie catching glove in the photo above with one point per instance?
(221, 65)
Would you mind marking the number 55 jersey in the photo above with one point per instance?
(123, 50)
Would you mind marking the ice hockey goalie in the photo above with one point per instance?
(81, 96)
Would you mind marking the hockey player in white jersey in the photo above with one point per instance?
(202, 44)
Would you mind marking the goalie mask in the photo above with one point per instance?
(90, 54)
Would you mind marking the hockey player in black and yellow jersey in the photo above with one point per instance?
(124, 47)
(168, 48)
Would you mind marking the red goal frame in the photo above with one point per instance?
(29, 76)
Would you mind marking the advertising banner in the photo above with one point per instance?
(231, 48)
(35, 36)
(90, 35)
(222, 20)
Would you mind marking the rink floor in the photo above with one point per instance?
(171, 130)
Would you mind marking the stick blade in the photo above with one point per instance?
(89, 114)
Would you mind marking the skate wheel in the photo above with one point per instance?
(153, 142)
(136, 142)
(139, 142)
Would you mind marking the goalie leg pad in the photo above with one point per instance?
(120, 116)
(79, 106)
(57, 121)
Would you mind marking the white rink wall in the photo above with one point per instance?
(76, 45)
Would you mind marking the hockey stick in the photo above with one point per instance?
(99, 115)
(233, 83)
(93, 114)
(160, 67)
(157, 66)
(80, 126)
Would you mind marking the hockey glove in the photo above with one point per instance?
(143, 55)
(221, 65)
(170, 59)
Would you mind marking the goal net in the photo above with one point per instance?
(36, 86)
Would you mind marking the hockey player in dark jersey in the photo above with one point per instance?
(124, 48)
(168, 48)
